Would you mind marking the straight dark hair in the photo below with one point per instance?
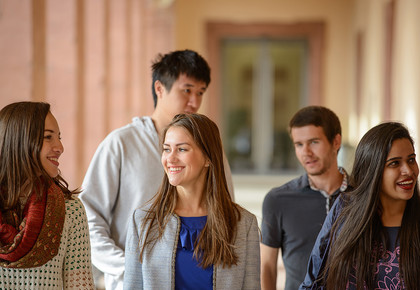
(215, 243)
(22, 127)
(359, 228)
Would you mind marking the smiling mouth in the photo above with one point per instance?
(54, 160)
(175, 169)
(406, 184)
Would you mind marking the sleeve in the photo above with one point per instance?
(320, 251)
(77, 271)
(100, 193)
(252, 267)
(271, 227)
(133, 276)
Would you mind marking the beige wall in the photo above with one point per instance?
(345, 20)
(407, 66)
(90, 59)
(191, 17)
(405, 105)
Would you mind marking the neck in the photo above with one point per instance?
(392, 213)
(189, 203)
(160, 120)
(329, 181)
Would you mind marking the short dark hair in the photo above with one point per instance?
(167, 68)
(320, 117)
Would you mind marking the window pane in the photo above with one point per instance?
(263, 86)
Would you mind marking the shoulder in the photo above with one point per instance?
(247, 218)
(140, 213)
(125, 140)
(139, 124)
(290, 188)
(75, 209)
(247, 215)
(74, 205)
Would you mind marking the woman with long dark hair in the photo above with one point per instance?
(192, 235)
(371, 238)
(44, 238)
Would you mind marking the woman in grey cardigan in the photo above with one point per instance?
(192, 235)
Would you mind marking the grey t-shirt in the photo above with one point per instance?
(293, 215)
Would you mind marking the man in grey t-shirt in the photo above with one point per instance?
(293, 213)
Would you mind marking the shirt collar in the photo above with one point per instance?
(343, 185)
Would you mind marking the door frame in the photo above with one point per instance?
(313, 32)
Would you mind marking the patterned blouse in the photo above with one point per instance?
(387, 270)
(69, 269)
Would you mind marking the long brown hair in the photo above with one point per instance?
(215, 244)
(359, 226)
(22, 127)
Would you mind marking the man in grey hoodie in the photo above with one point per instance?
(126, 170)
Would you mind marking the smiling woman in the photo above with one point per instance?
(371, 237)
(44, 239)
(192, 235)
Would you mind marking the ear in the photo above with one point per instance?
(207, 164)
(337, 142)
(159, 89)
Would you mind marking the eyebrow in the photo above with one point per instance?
(191, 85)
(179, 144)
(397, 158)
(51, 131)
(309, 140)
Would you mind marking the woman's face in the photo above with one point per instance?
(183, 161)
(400, 173)
(51, 146)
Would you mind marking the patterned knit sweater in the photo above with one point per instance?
(69, 269)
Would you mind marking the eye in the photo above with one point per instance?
(412, 160)
(182, 149)
(48, 137)
(393, 163)
(166, 149)
(187, 91)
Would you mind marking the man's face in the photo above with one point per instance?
(185, 96)
(313, 150)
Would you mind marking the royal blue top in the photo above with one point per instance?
(188, 273)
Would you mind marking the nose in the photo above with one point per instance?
(58, 147)
(194, 102)
(406, 169)
(171, 156)
(306, 149)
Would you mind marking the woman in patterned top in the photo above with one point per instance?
(44, 239)
(371, 238)
(192, 235)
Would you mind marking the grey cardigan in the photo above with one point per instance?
(158, 268)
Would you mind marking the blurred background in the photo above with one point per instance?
(91, 60)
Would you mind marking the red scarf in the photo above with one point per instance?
(37, 238)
